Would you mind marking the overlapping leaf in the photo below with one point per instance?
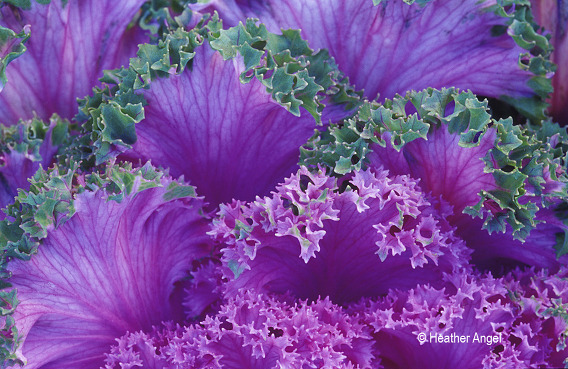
(529, 169)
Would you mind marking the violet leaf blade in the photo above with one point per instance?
(135, 113)
(234, 152)
(395, 47)
(402, 239)
(120, 217)
(519, 161)
(69, 47)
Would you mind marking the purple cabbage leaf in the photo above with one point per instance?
(95, 275)
(511, 177)
(314, 238)
(253, 330)
(488, 47)
(417, 212)
(473, 322)
(165, 107)
(70, 45)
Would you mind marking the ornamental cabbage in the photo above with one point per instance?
(282, 184)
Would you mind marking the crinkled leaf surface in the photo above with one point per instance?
(354, 244)
(25, 147)
(458, 175)
(527, 166)
(522, 313)
(219, 118)
(253, 330)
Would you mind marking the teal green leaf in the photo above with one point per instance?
(292, 73)
(12, 45)
(177, 191)
(523, 29)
